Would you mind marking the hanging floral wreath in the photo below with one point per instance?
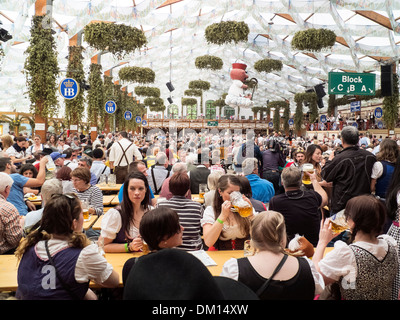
(148, 91)
(313, 40)
(188, 101)
(118, 39)
(137, 74)
(209, 62)
(268, 65)
(227, 32)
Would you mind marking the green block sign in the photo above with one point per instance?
(212, 123)
(347, 83)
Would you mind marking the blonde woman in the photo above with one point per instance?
(212, 181)
(295, 279)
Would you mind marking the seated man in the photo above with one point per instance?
(50, 187)
(301, 207)
(262, 189)
(158, 173)
(10, 221)
(16, 196)
(87, 163)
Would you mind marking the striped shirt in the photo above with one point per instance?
(93, 196)
(190, 212)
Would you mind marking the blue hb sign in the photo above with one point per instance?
(355, 106)
(144, 123)
(138, 119)
(271, 124)
(291, 122)
(380, 125)
(110, 107)
(69, 88)
(323, 118)
(128, 115)
(378, 112)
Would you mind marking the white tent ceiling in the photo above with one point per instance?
(368, 33)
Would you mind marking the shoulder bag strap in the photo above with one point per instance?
(104, 169)
(154, 180)
(266, 283)
(65, 286)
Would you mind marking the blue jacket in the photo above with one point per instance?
(262, 189)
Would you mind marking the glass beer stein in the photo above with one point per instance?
(240, 205)
(307, 167)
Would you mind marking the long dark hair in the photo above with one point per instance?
(126, 209)
(392, 191)
(223, 183)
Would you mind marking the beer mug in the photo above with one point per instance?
(307, 167)
(202, 190)
(112, 180)
(103, 180)
(248, 250)
(338, 222)
(240, 205)
(85, 209)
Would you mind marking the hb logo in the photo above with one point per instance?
(69, 88)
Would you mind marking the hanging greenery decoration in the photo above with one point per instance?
(74, 108)
(209, 62)
(193, 92)
(306, 97)
(188, 101)
(391, 105)
(118, 39)
(313, 40)
(277, 118)
(137, 74)
(41, 69)
(199, 84)
(108, 91)
(148, 91)
(95, 108)
(268, 65)
(155, 104)
(227, 32)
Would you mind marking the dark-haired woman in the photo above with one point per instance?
(222, 228)
(365, 269)
(160, 229)
(120, 226)
(57, 260)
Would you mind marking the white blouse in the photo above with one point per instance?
(111, 224)
(231, 270)
(341, 261)
(229, 232)
(91, 265)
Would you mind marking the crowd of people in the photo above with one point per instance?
(353, 175)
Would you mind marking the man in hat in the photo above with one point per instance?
(58, 158)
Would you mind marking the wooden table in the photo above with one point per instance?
(108, 199)
(97, 224)
(107, 187)
(9, 266)
(92, 219)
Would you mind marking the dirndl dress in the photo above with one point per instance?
(394, 231)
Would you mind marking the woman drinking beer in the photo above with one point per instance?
(224, 229)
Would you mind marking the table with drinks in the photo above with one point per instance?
(214, 260)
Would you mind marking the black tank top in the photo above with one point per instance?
(300, 287)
